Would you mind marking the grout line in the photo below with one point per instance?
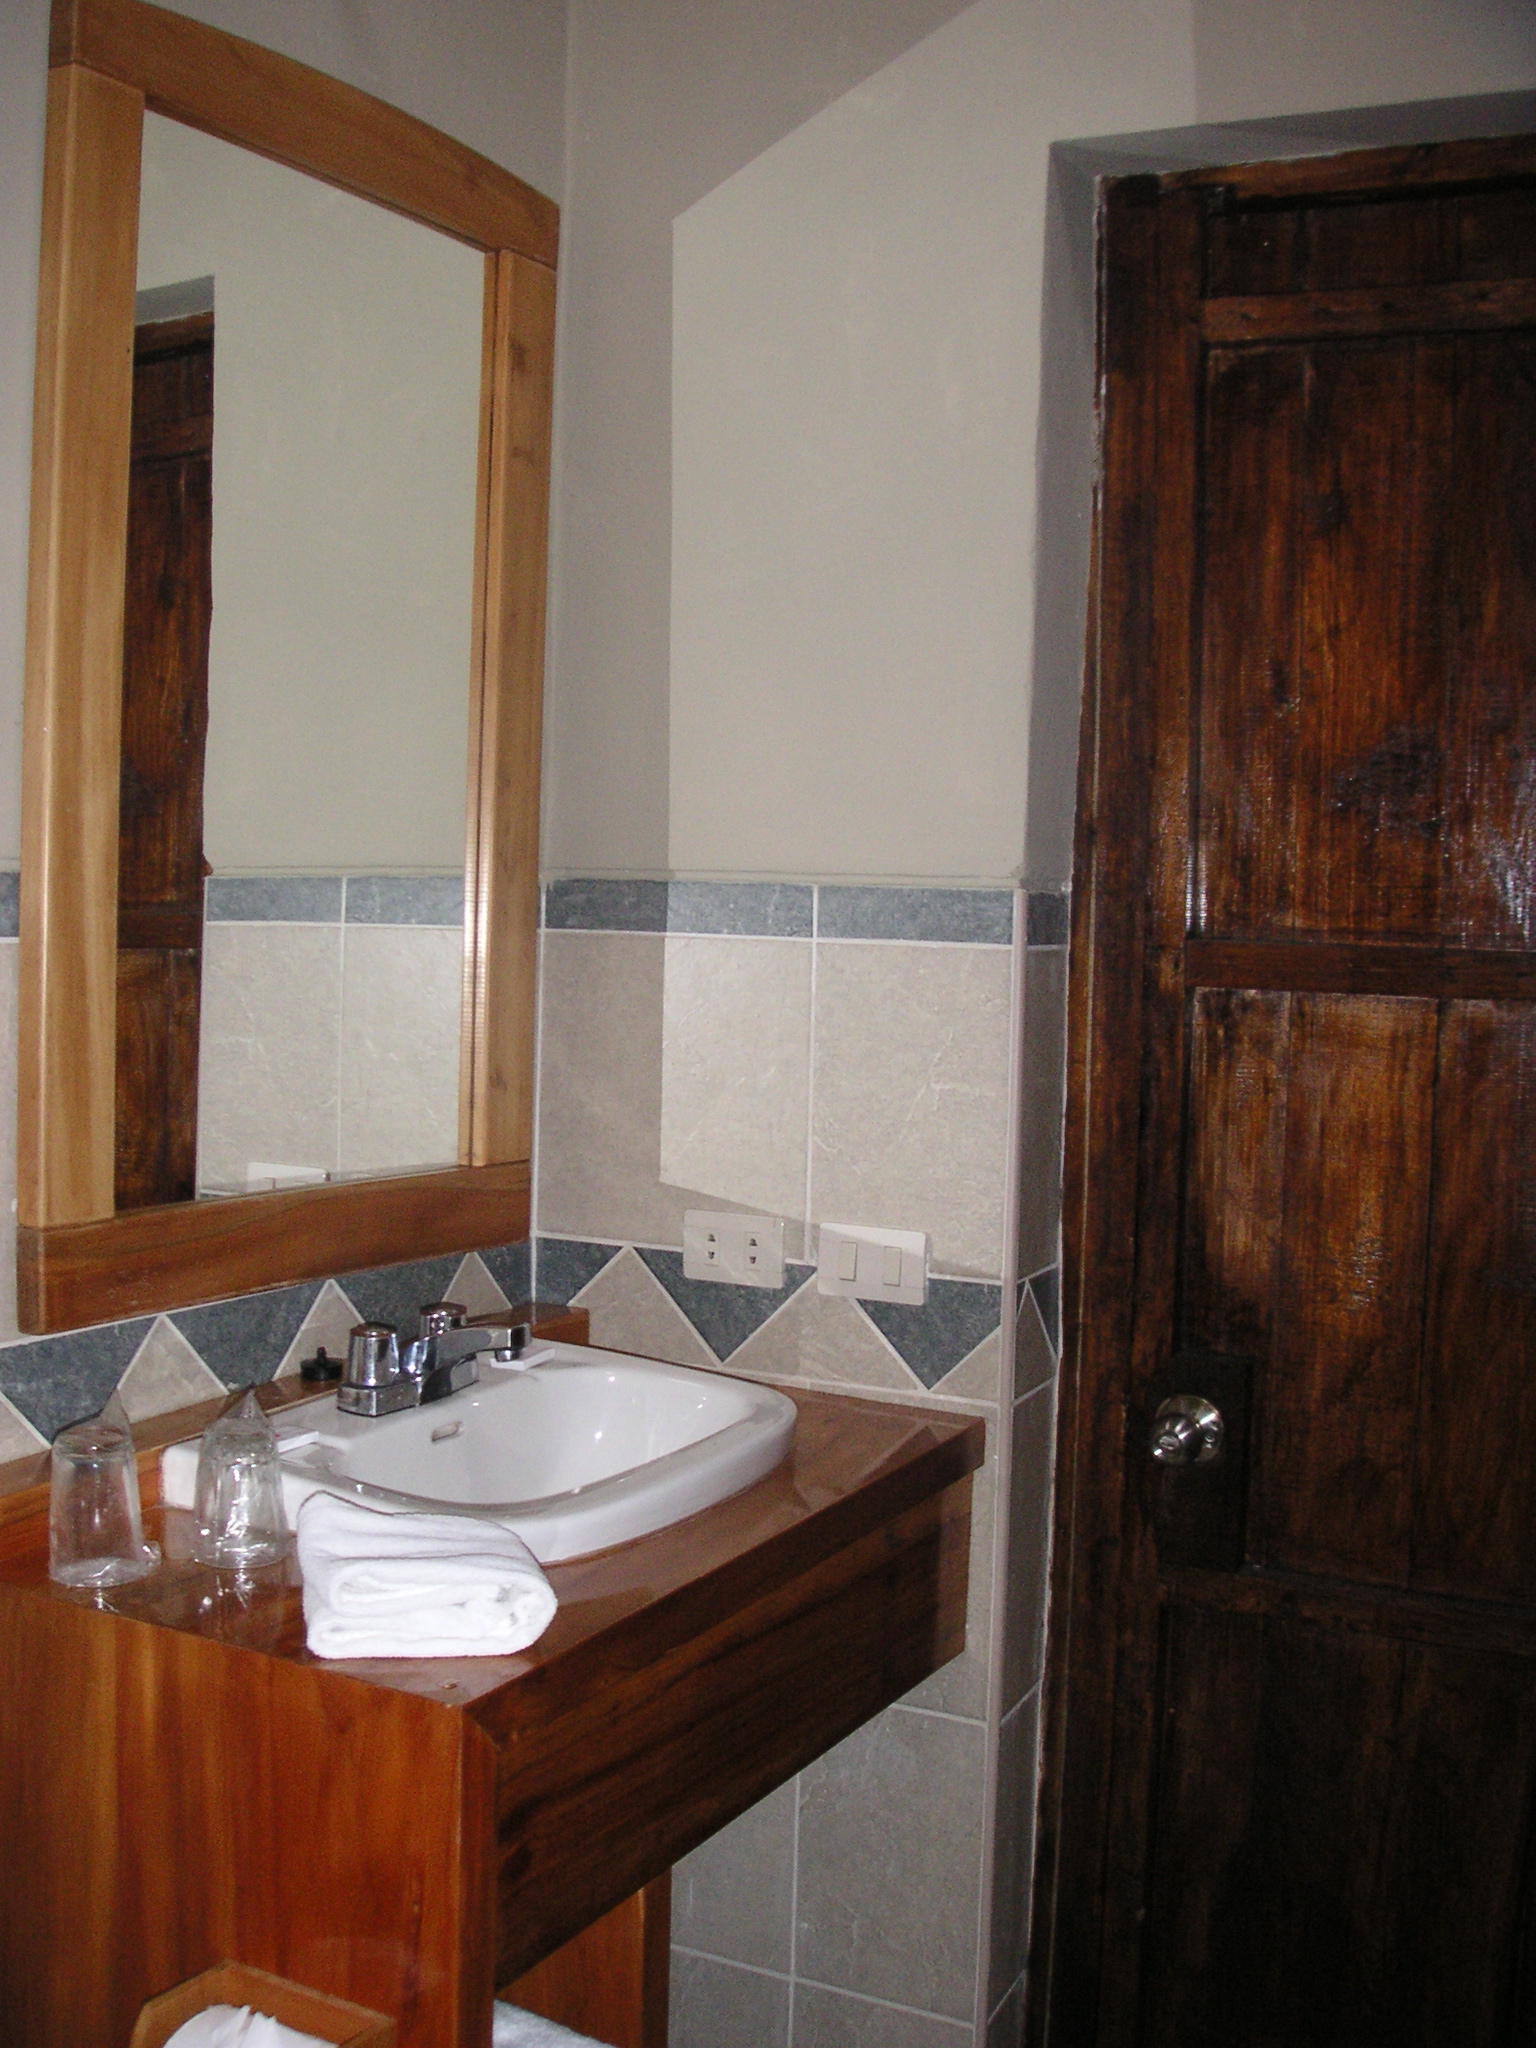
(341, 1016)
(920, 2012)
(937, 1713)
(707, 1955)
(534, 1148)
(794, 1910)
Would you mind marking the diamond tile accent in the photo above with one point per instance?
(472, 1284)
(54, 1380)
(724, 1316)
(632, 1311)
(1045, 1286)
(957, 1316)
(18, 1439)
(329, 1323)
(823, 1337)
(511, 1267)
(565, 1265)
(166, 1373)
(393, 1294)
(247, 1339)
(1047, 918)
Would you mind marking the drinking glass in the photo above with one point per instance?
(95, 1529)
(240, 1491)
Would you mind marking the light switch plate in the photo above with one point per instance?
(873, 1265)
(747, 1251)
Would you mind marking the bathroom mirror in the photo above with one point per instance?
(301, 538)
(80, 1259)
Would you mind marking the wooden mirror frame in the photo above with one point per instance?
(79, 1262)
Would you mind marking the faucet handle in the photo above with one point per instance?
(438, 1316)
(373, 1355)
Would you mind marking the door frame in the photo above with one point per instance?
(1130, 888)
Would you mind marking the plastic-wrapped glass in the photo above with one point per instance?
(95, 1528)
(240, 1490)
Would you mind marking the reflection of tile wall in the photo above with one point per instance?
(839, 1054)
(330, 1023)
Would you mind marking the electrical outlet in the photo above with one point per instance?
(747, 1251)
(875, 1265)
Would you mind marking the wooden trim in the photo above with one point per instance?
(67, 1044)
(502, 901)
(109, 55)
(1394, 309)
(150, 1259)
(1364, 172)
(281, 109)
(1320, 967)
(609, 1981)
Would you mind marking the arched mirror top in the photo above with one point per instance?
(82, 1255)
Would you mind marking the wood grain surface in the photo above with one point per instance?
(410, 1835)
(267, 102)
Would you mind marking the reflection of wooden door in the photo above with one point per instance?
(165, 723)
(1291, 1749)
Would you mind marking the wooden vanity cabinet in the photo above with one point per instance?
(182, 1784)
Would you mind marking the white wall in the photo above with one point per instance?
(844, 516)
(490, 72)
(346, 422)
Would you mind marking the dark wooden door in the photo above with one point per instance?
(160, 871)
(1291, 1748)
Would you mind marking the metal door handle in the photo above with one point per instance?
(1187, 1431)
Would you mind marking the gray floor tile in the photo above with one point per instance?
(835, 2019)
(720, 2005)
(890, 1863)
(732, 1896)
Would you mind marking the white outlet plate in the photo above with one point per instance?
(746, 1251)
(874, 1265)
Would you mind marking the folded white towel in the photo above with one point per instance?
(236, 2026)
(514, 2028)
(379, 1585)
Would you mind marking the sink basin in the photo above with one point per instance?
(574, 1449)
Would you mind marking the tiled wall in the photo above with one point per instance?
(839, 1054)
(330, 1023)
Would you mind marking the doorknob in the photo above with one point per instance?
(1187, 1431)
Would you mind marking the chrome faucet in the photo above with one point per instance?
(441, 1359)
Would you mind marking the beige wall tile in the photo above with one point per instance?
(1042, 1082)
(909, 1123)
(267, 1074)
(823, 1337)
(474, 1287)
(632, 1311)
(1029, 1542)
(600, 1089)
(962, 1685)
(890, 1862)
(736, 1031)
(18, 1439)
(1017, 1763)
(166, 1373)
(975, 1378)
(400, 1015)
(329, 1322)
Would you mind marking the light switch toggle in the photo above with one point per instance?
(874, 1265)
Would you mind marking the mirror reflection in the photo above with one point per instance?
(296, 680)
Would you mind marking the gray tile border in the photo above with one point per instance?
(247, 1338)
(563, 1266)
(1047, 918)
(511, 1267)
(273, 899)
(10, 903)
(933, 1339)
(55, 1380)
(972, 917)
(580, 905)
(405, 899)
(770, 910)
(1045, 1286)
(393, 1294)
(725, 1316)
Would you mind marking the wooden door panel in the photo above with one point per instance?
(1416, 240)
(1475, 1530)
(1320, 1793)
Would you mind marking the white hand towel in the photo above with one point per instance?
(514, 2028)
(379, 1585)
(236, 2026)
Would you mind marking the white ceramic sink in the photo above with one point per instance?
(575, 1449)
